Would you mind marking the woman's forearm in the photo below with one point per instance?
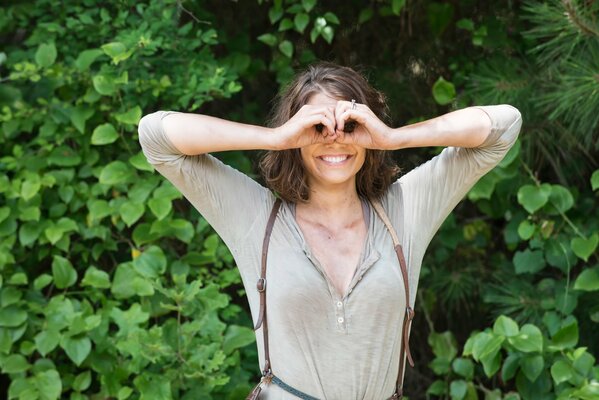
(468, 127)
(194, 134)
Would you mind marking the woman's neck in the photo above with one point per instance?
(331, 206)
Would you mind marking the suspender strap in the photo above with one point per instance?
(409, 314)
(267, 374)
(261, 286)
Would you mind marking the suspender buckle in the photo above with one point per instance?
(410, 313)
(261, 285)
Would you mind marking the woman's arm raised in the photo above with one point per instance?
(194, 134)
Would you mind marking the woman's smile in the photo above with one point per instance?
(335, 160)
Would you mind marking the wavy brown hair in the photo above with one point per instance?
(283, 170)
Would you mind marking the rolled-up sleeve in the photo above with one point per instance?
(229, 200)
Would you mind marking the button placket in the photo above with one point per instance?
(340, 315)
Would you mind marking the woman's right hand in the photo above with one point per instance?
(300, 130)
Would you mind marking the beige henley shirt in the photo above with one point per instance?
(327, 346)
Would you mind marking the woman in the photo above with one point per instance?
(336, 300)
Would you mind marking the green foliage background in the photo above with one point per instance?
(112, 286)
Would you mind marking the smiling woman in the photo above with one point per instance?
(346, 237)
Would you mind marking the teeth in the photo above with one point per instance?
(334, 159)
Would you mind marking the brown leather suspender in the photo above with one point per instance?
(262, 319)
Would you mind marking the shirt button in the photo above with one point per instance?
(340, 320)
(339, 304)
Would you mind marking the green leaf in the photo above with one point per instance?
(332, 18)
(117, 51)
(510, 366)
(82, 381)
(105, 84)
(48, 384)
(595, 180)
(465, 23)
(532, 366)
(328, 33)
(45, 55)
(308, 4)
(274, 14)
(115, 173)
(566, 337)
(300, 21)
(584, 248)
(12, 316)
(151, 263)
(560, 198)
(160, 207)
(457, 389)
(236, 337)
(96, 278)
(268, 38)
(10, 295)
(365, 15)
(63, 272)
(79, 115)
(533, 197)
(77, 348)
(588, 280)
(528, 261)
(153, 387)
(486, 345)
(104, 134)
(46, 341)
(14, 364)
(285, 24)
(86, 58)
(286, 47)
(505, 326)
(397, 6)
(444, 345)
(30, 187)
(528, 340)
(42, 281)
(443, 91)
(463, 367)
(561, 371)
(526, 229)
(131, 212)
(129, 117)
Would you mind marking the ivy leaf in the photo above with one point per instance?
(129, 117)
(528, 340)
(533, 197)
(46, 341)
(63, 272)
(77, 348)
(588, 280)
(96, 278)
(300, 21)
(528, 261)
(45, 54)
(505, 326)
(286, 48)
(236, 337)
(463, 367)
(104, 134)
(48, 384)
(131, 211)
(15, 364)
(561, 371)
(595, 180)
(532, 366)
(443, 91)
(268, 38)
(12, 316)
(308, 4)
(583, 248)
(86, 58)
(115, 173)
(457, 389)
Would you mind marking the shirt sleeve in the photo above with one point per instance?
(432, 190)
(229, 200)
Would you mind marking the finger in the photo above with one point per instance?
(356, 115)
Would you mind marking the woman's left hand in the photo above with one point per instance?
(370, 133)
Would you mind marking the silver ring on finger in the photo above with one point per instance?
(353, 104)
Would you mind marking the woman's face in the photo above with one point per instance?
(331, 163)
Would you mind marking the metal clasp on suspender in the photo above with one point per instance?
(261, 284)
